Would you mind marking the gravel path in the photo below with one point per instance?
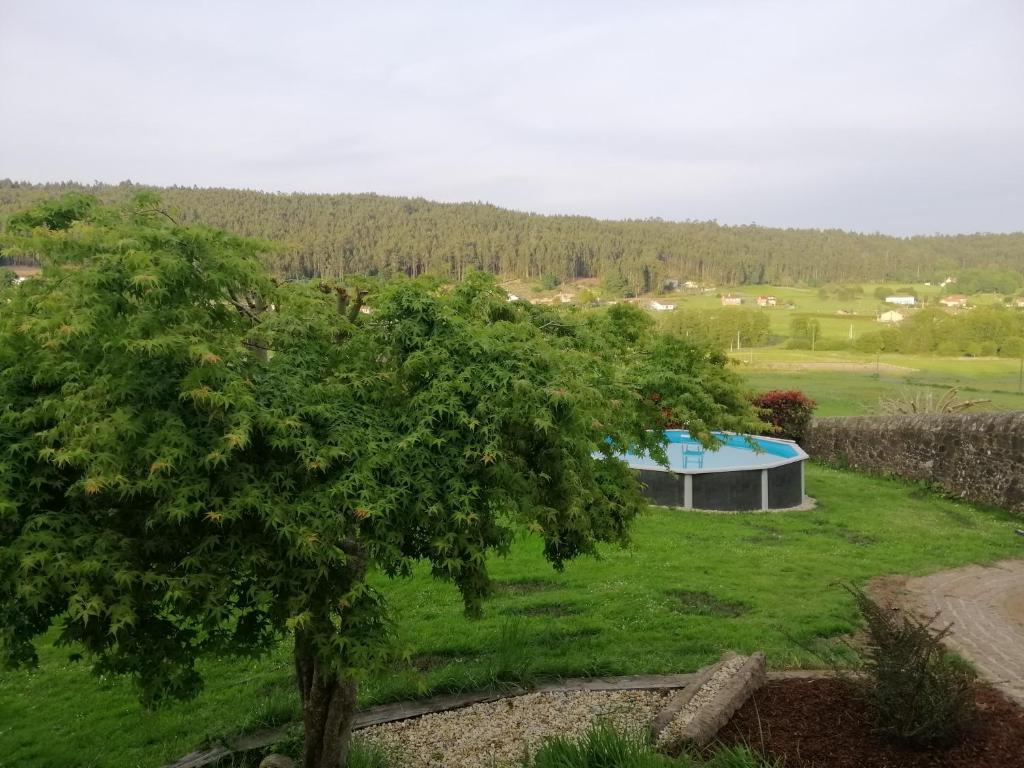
(498, 733)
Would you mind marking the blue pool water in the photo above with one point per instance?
(686, 453)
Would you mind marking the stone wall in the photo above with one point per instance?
(976, 456)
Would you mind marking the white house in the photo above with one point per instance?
(657, 306)
(766, 301)
(892, 316)
(906, 301)
(729, 300)
(956, 301)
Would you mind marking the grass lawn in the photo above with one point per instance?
(691, 585)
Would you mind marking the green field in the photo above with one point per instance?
(852, 387)
(691, 585)
(864, 309)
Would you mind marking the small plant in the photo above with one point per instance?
(740, 757)
(512, 662)
(601, 747)
(364, 754)
(926, 402)
(604, 747)
(787, 411)
(919, 694)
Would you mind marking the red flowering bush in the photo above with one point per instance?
(788, 411)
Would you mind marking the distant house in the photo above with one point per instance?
(689, 284)
(956, 301)
(766, 301)
(906, 301)
(892, 316)
(658, 306)
(729, 300)
(948, 281)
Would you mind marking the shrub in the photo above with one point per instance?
(918, 693)
(787, 411)
(925, 401)
(548, 282)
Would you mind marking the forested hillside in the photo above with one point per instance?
(332, 235)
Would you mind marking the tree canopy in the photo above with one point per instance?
(338, 235)
(195, 459)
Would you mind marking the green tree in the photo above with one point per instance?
(194, 460)
(1012, 347)
(804, 331)
(615, 286)
(548, 282)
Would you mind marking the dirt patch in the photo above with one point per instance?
(842, 367)
(1013, 606)
(430, 660)
(23, 271)
(889, 591)
(822, 724)
(695, 603)
(524, 586)
(552, 610)
(849, 535)
(766, 535)
(567, 635)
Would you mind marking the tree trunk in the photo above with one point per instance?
(328, 708)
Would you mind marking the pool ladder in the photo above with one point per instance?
(693, 453)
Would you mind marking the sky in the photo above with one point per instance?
(901, 117)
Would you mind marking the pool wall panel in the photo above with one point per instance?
(785, 486)
(664, 488)
(735, 490)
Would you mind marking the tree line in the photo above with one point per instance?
(321, 235)
(982, 332)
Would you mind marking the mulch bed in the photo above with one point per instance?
(821, 724)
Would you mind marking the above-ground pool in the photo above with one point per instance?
(735, 477)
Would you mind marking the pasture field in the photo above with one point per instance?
(862, 311)
(846, 384)
(690, 586)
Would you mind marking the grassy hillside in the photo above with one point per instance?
(335, 235)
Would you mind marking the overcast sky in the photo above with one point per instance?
(877, 115)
